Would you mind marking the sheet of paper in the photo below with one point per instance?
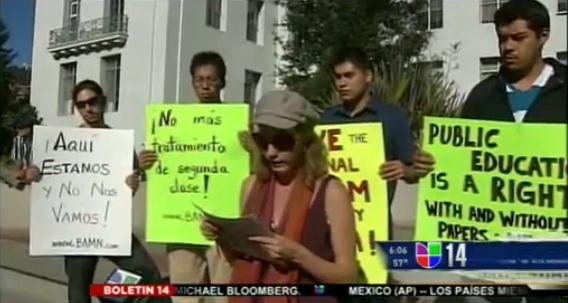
(234, 233)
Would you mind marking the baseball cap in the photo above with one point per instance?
(284, 109)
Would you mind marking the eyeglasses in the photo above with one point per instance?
(208, 81)
(281, 140)
(93, 101)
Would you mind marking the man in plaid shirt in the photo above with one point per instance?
(22, 144)
(19, 172)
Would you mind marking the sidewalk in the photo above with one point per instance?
(16, 287)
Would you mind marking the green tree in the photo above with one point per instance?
(6, 57)
(420, 89)
(390, 32)
(10, 109)
(384, 28)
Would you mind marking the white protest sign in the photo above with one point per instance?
(82, 205)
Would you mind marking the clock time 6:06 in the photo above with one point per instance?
(398, 250)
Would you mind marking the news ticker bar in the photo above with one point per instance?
(336, 290)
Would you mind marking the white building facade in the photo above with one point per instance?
(140, 52)
(469, 24)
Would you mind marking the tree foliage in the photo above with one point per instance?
(419, 89)
(386, 29)
(10, 109)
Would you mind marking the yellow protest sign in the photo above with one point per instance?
(355, 153)
(493, 181)
(200, 162)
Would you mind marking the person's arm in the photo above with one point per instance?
(339, 211)
(144, 161)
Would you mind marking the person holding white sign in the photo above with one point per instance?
(90, 101)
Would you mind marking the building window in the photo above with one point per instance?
(562, 57)
(67, 80)
(73, 18)
(254, 9)
(562, 7)
(252, 79)
(488, 9)
(431, 14)
(74, 6)
(116, 8)
(115, 15)
(110, 81)
(488, 67)
(213, 16)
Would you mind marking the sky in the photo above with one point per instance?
(18, 15)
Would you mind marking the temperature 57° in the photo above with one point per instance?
(398, 263)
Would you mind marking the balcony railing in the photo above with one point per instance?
(89, 31)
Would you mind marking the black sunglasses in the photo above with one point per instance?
(93, 101)
(280, 139)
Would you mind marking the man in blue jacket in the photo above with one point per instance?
(353, 74)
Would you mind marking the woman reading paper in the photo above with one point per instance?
(291, 191)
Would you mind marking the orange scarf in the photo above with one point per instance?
(261, 204)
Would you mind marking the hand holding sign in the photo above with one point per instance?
(423, 162)
(32, 174)
(147, 158)
(133, 181)
(392, 170)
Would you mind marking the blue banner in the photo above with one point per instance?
(431, 255)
